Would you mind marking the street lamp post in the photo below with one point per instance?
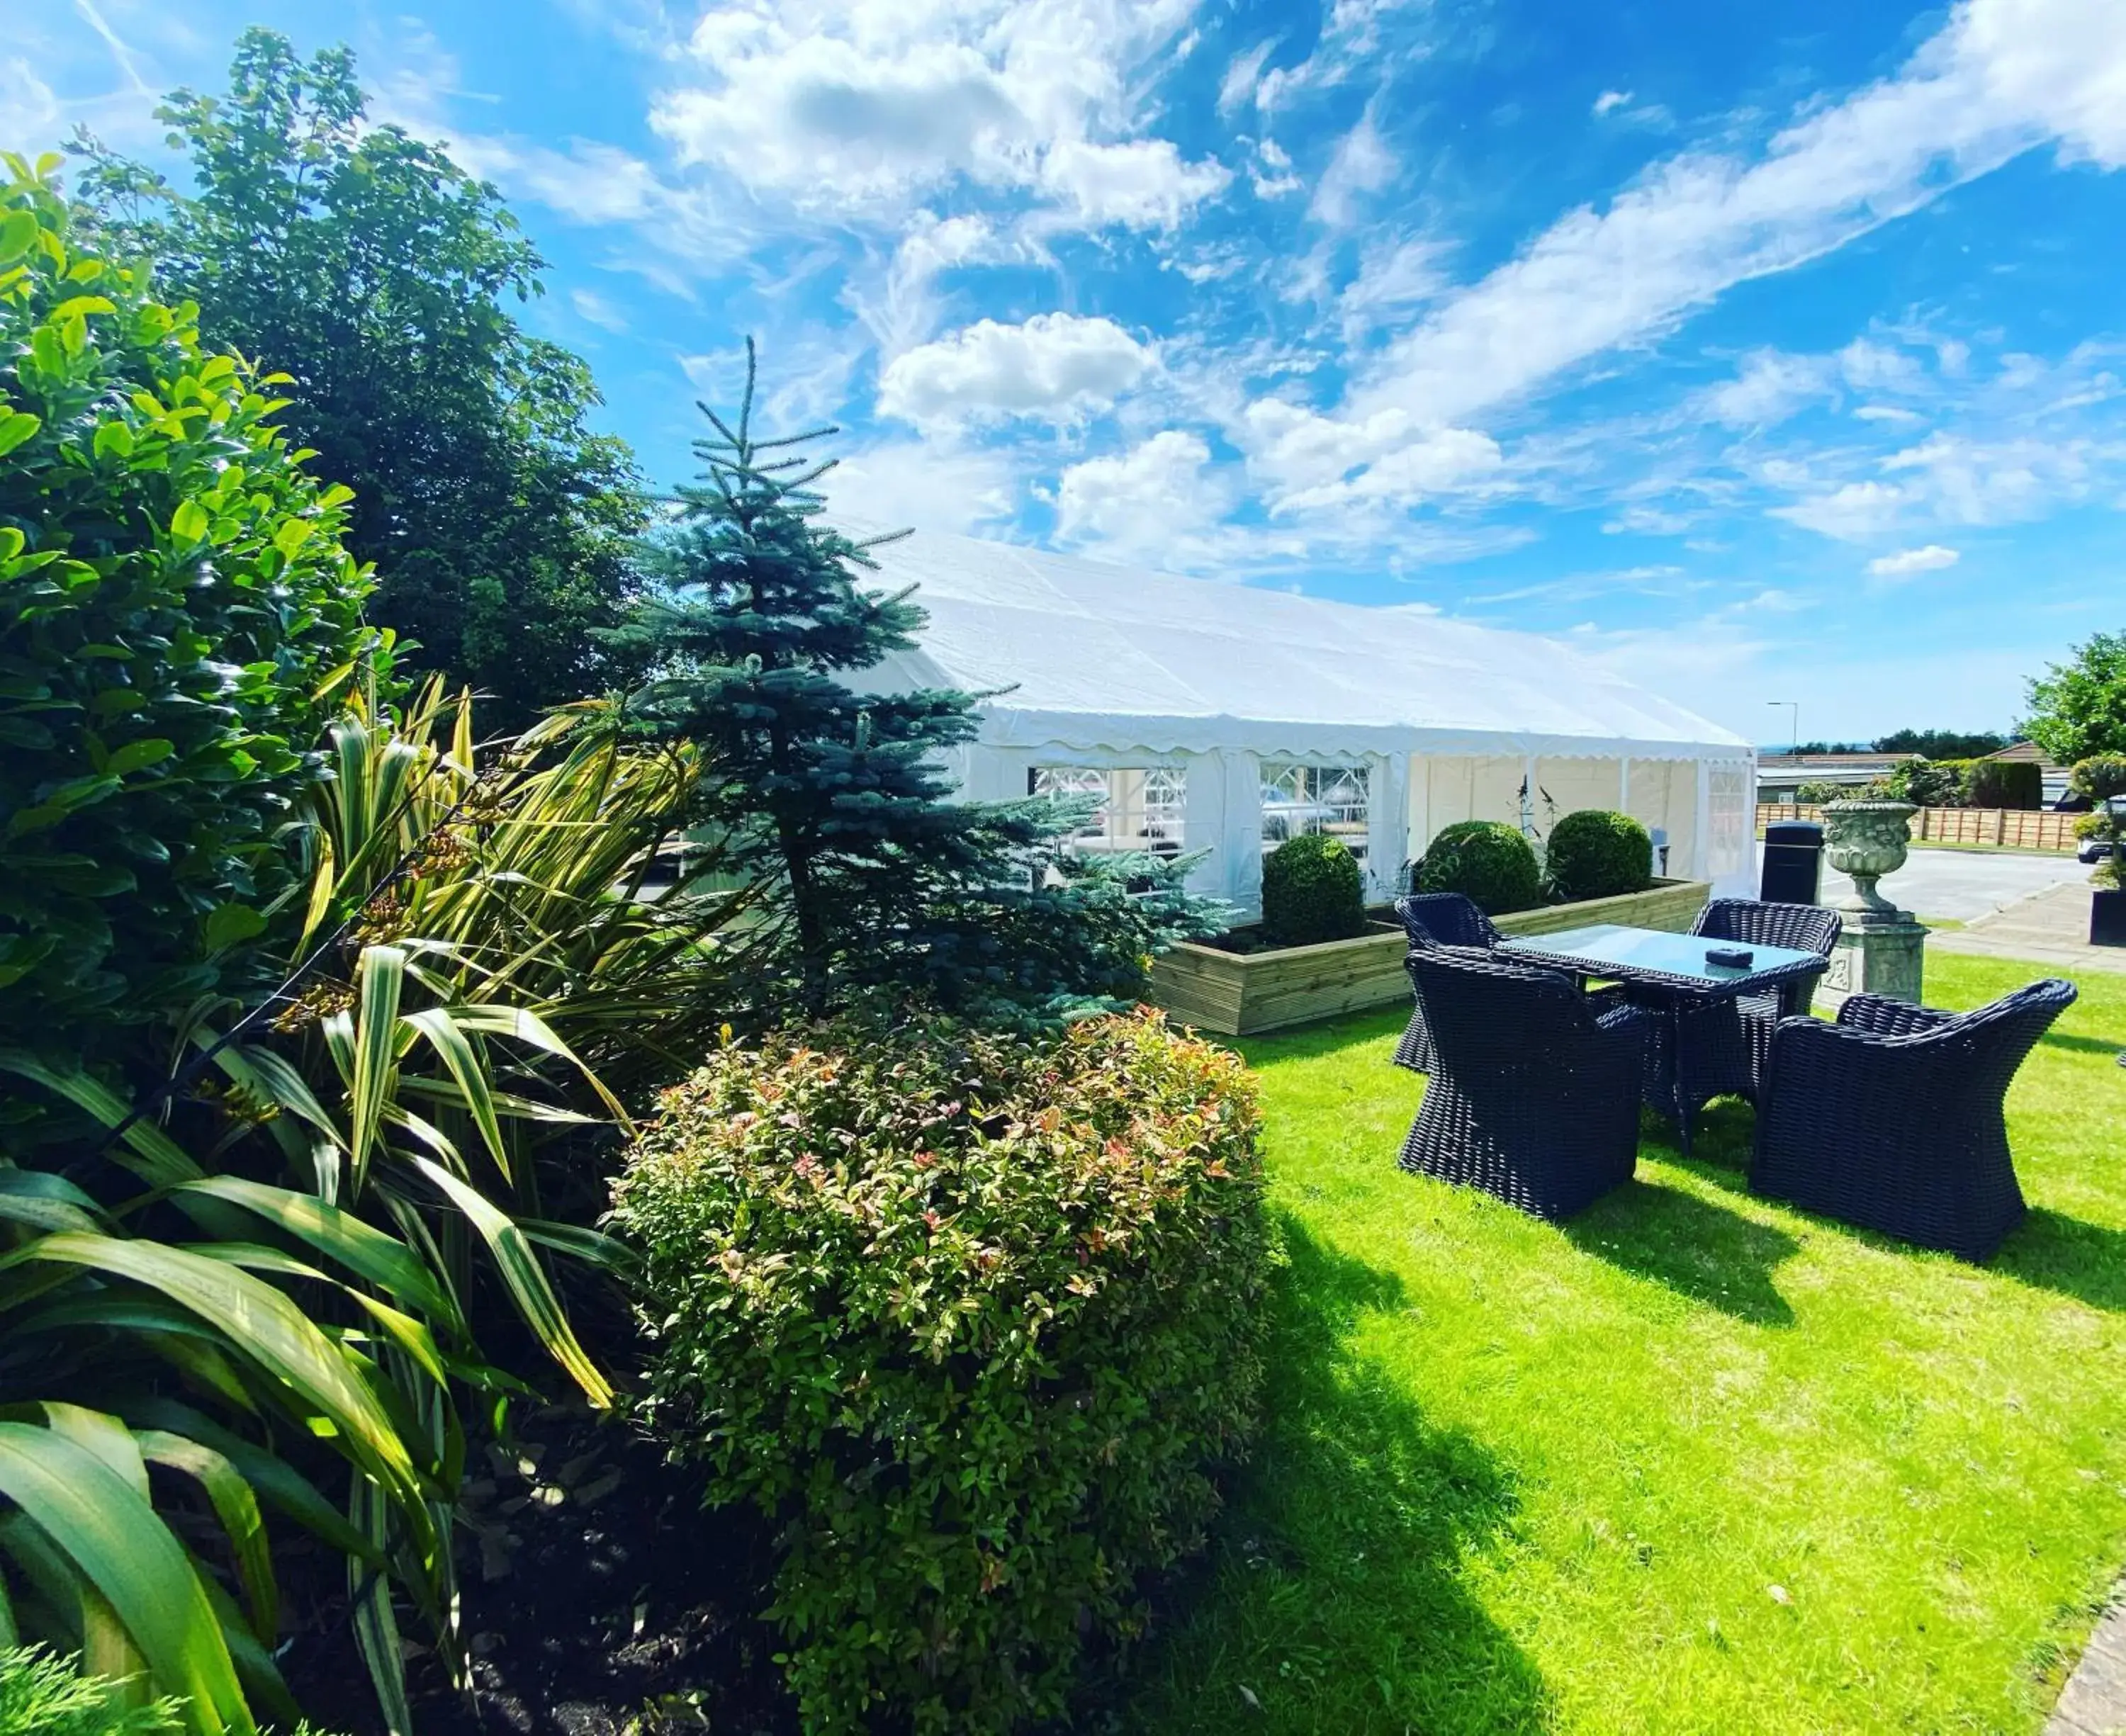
(1794, 704)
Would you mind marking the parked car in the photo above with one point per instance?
(2095, 849)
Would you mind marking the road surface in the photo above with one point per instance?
(1959, 885)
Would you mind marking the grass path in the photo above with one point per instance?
(1693, 1462)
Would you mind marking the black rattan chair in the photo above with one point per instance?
(1719, 1046)
(1891, 1118)
(1437, 919)
(1534, 1097)
(1753, 922)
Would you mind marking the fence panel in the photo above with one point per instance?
(2035, 828)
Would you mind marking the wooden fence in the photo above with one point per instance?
(2034, 828)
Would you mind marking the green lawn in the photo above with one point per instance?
(1692, 1462)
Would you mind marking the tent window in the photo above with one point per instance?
(1728, 826)
(1140, 807)
(1301, 798)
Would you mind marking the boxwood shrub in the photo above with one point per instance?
(1311, 891)
(973, 1320)
(1485, 860)
(1598, 854)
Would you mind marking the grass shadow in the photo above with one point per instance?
(1329, 1037)
(1331, 1598)
(1696, 1249)
(2051, 1251)
(2075, 1045)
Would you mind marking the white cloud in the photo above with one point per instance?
(1909, 563)
(903, 310)
(850, 108)
(1770, 387)
(1236, 90)
(1306, 461)
(1363, 164)
(1350, 43)
(1060, 366)
(2000, 78)
(30, 107)
(121, 50)
(1394, 277)
(1852, 512)
(1270, 175)
(1643, 521)
(1966, 482)
(1609, 99)
(1149, 504)
(1142, 184)
(1868, 367)
(597, 309)
(927, 485)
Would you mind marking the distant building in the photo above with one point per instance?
(1780, 774)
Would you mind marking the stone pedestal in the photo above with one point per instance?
(1874, 956)
(1880, 948)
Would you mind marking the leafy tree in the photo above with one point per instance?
(372, 269)
(1942, 744)
(175, 607)
(1926, 784)
(834, 800)
(2078, 708)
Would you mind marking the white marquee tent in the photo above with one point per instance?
(1217, 717)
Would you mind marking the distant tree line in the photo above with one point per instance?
(1932, 744)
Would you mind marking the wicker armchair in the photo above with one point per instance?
(1434, 919)
(1712, 1048)
(1891, 1118)
(1534, 1096)
(1752, 922)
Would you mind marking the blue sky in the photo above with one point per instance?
(1767, 353)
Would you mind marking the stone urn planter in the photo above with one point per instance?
(1880, 948)
(1866, 841)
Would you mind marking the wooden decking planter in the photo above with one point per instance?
(1238, 994)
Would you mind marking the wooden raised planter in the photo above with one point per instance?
(1238, 994)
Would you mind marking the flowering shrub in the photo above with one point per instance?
(975, 1319)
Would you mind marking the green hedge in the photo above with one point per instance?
(1598, 854)
(1311, 891)
(175, 606)
(1991, 783)
(974, 1320)
(1485, 860)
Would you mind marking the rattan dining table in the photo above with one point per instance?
(1705, 1049)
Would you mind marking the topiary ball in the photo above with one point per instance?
(1597, 854)
(1486, 861)
(1312, 891)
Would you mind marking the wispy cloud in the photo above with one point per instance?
(1910, 562)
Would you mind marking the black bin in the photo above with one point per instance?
(1793, 862)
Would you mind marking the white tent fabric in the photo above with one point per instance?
(1107, 666)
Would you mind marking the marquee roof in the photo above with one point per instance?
(1107, 657)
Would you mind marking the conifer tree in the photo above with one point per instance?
(834, 799)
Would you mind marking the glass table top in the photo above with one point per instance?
(1611, 948)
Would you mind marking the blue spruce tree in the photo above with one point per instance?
(873, 880)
